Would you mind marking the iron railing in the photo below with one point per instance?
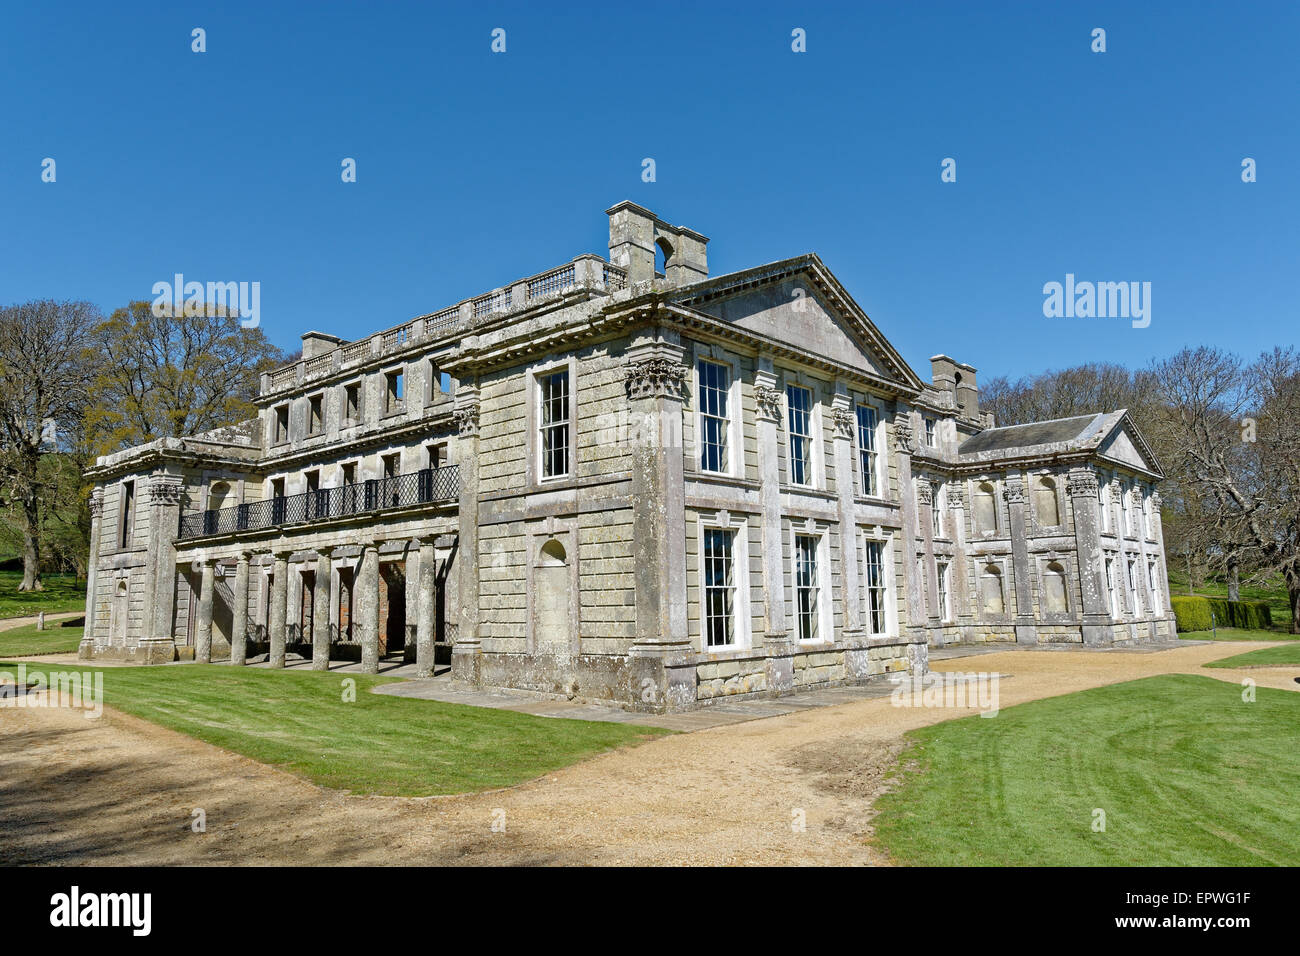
(427, 486)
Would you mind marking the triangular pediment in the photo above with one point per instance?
(807, 310)
(1124, 445)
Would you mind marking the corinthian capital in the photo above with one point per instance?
(165, 490)
(655, 378)
(768, 402)
(1081, 484)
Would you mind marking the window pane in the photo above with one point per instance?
(875, 589)
(719, 588)
(799, 402)
(867, 448)
(555, 424)
(715, 381)
(806, 596)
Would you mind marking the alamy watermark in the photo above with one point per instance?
(1101, 300)
(80, 690)
(949, 689)
(214, 299)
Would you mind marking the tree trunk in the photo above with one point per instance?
(1190, 590)
(1293, 596)
(31, 550)
(1234, 579)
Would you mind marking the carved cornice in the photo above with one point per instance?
(768, 402)
(1081, 484)
(165, 490)
(655, 378)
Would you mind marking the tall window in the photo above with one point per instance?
(929, 431)
(1103, 496)
(352, 401)
(128, 513)
(555, 424)
(867, 448)
(282, 424)
(1152, 583)
(1112, 588)
(1149, 515)
(719, 588)
(395, 391)
(1132, 586)
(316, 415)
(807, 603)
(715, 383)
(875, 588)
(799, 403)
(945, 611)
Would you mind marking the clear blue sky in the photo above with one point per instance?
(476, 168)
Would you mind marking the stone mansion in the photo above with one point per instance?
(627, 481)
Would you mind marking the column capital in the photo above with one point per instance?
(165, 490)
(843, 420)
(1081, 483)
(96, 502)
(767, 398)
(282, 554)
(924, 492)
(903, 432)
(1013, 490)
(657, 377)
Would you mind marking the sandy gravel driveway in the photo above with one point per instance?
(120, 790)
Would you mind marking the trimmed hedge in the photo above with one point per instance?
(1204, 613)
(1191, 613)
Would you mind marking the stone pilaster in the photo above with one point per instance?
(662, 673)
(275, 627)
(426, 608)
(157, 641)
(961, 597)
(320, 607)
(1013, 491)
(203, 616)
(776, 636)
(908, 506)
(96, 503)
(850, 581)
(239, 619)
(926, 506)
(367, 596)
(1081, 486)
(1167, 611)
(467, 652)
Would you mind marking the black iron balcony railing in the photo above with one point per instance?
(428, 486)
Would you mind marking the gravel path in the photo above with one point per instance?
(120, 790)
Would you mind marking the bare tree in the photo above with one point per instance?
(44, 373)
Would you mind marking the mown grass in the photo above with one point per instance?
(63, 592)
(1285, 655)
(302, 721)
(1236, 634)
(26, 640)
(1187, 773)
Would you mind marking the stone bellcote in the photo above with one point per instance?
(636, 234)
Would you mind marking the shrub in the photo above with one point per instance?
(1191, 613)
(1252, 615)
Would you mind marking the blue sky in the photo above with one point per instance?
(476, 168)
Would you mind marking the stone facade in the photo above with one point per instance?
(626, 483)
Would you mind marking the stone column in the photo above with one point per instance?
(367, 596)
(275, 627)
(239, 622)
(1081, 486)
(157, 642)
(660, 655)
(320, 607)
(426, 607)
(203, 616)
(776, 637)
(87, 646)
(467, 653)
(851, 585)
(1013, 490)
(919, 652)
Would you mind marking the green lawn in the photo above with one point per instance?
(26, 640)
(297, 720)
(1236, 634)
(1186, 772)
(1285, 655)
(63, 592)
